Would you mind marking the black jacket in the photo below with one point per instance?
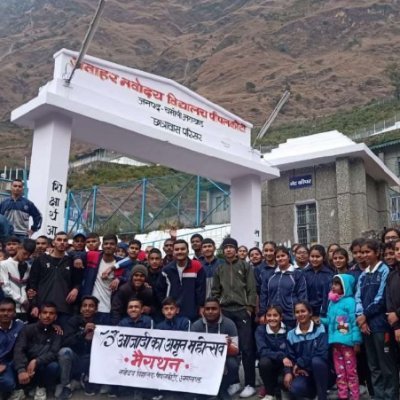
(393, 295)
(126, 292)
(36, 341)
(74, 335)
(53, 278)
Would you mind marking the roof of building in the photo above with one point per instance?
(382, 145)
(326, 147)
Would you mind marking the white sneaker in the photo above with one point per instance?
(248, 391)
(40, 394)
(233, 389)
(17, 395)
(268, 397)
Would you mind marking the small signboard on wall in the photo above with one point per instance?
(300, 182)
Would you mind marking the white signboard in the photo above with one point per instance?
(155, 101)
(154, 359)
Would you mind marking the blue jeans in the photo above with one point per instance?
(46, 375)
(7, 379)
(72, 365)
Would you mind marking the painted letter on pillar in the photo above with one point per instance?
(55, 211)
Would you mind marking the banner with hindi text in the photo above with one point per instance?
(167, 360)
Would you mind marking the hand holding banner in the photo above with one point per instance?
(154, 359)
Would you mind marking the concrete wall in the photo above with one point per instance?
(279, 204)
(348, 203)
(390, 156)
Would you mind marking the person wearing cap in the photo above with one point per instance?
(79, 242)
(185, 281)
(78, 249)
(135, 288)
(235, 287)
(122, 250)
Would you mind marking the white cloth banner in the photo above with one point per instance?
(153, 359)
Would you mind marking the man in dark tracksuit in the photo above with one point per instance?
(10, 328)
(17, 209)
(54, 279)
(234, 285)
(35, 352)
(185, 281)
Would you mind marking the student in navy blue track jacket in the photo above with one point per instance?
(185, 281)
(17, 209)
(319, 279)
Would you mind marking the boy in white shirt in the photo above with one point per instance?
(14, 274)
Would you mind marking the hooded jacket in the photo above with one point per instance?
(269, 344)
(126, 292)
(371, 297)
(234, 285)
(341, 321)
(224, 326)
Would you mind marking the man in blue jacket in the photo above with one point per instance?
(185, 281)
(17, 209)
(9, 331)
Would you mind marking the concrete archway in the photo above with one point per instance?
(148, 117)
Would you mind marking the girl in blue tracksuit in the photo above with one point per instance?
(319, 279)
(308, 352)
(344, 335)
(372, 320)
(284, 287)
(272, 349)
(258, 264)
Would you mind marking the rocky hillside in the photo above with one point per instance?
(241, 54)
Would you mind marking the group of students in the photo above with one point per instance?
(307, 316)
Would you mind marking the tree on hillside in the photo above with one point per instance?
(392, 71)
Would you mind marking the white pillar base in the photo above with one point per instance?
(49, 169)
(246, 210)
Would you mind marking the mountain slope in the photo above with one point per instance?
(241, 54)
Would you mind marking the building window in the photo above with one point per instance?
(395, 209)
(307, 229)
